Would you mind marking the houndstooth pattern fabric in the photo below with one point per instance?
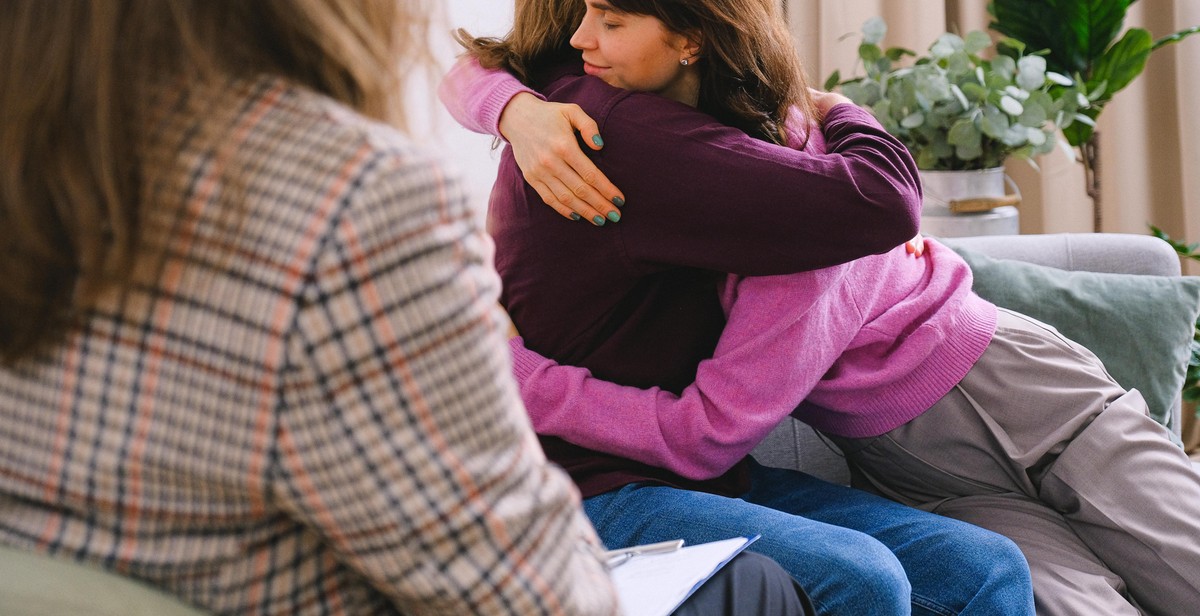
(302, 405)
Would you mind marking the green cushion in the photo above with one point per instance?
(36, 585)
(1141, 327)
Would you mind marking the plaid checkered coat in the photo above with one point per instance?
(302, 404)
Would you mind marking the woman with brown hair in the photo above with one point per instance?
(912, 375)
(709, 190)
(251, 350)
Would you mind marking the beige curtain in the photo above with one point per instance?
(1150, 132)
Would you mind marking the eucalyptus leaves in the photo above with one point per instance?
(956, 110)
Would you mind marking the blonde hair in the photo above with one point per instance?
(73, 85)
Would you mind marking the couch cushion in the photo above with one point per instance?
(1141, 327)
(36, 585)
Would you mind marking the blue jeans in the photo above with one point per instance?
(853, 552)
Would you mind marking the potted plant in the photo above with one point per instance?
(956, 109)
(1191, 379)
(1079, 38)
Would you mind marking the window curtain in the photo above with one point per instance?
(1150, 132)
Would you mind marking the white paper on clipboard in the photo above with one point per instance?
(657, 584)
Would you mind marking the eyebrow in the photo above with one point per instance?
(601, 6)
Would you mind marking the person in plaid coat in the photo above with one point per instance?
(252, 350)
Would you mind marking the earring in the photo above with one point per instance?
(684, 61)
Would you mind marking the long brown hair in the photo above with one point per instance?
(73, 80)
(750, 74)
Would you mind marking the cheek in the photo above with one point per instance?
(653, 71)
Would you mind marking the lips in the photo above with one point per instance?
(592, 69)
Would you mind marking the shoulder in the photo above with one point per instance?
(642, 111)
(348, 160)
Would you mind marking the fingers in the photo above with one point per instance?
(588, 184)
(584, 179)
(585, 125)
(560, 200)
(567, 177)
(915, 246)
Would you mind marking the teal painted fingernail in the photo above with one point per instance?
(599, 221)
(613, 216)
(575, 216)
(598, 141)
(619, 202)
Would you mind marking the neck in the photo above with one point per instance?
(687, 89)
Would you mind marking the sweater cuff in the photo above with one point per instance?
(524, 361)
(493, 104)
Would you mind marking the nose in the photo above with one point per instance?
(583, 38)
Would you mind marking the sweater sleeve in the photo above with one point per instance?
(725, 200)
(720, 200)
(783, 334)
(476, 96)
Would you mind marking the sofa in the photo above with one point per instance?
(795, 445)
(33, 585)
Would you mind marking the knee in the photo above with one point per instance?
(1002, 562)
(879, 580)
(861, 576)
(991, 575)
(992, 558)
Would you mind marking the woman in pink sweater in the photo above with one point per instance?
(939, 399)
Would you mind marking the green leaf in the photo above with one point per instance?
(1034, 115)
(1031, 72)
(833, 80)
(874, 29)
(994, 122)
(1059, 78)
(926, 158)
(913, 120)
(1081, 129)
(946, 44)
(1005, 67)
(1175, 38)
(1076, 32)
(963, 132)
(869, 52)
(976, 42)
(895, 53)
(1123, 62)
(1011, 106)
(974, 91)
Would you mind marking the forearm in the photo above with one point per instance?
(721, 200)
(476, 97)
(720, 418)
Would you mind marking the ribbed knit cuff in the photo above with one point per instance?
(524, 361)
(493, 104)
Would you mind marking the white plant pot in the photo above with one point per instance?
(945, 189)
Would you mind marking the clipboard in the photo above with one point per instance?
(656, 584)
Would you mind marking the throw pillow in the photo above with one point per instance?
(1141, 327)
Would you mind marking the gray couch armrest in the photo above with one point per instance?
(1117, 253)
(795, 445)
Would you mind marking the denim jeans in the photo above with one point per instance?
(853, 552)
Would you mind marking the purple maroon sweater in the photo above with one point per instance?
(636, 302)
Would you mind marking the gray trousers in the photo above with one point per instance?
(1038, 443)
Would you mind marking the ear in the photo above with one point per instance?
(692, 44)
(688, 45)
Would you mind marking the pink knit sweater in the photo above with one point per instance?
(854, 350)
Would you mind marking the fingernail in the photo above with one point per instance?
(598, 141)
(613, 216)
(619, 202)
(599, 221)
(575, 216)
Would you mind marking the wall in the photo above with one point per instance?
(469, 154)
